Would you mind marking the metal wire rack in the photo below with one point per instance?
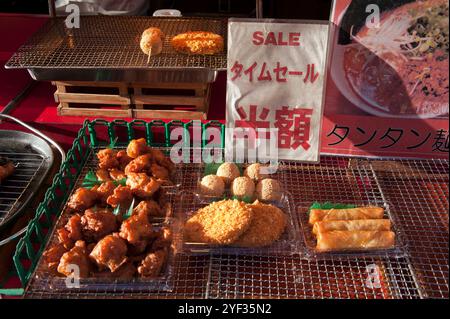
(113, 42)
(13, 188)
(417, 192)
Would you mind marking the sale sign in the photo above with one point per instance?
(276, 74)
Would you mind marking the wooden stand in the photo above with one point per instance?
(133, 100)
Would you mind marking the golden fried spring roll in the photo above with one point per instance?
(347, 240)
(352, 225)
(318, 215)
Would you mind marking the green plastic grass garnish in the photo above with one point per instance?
(91, 180)
(129, 212)
(116, 210)
(329, 205)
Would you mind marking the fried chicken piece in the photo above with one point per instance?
(122, 196)
(137, 148)
(105, 190)
(162, 160)
(142, 185)
(82, 199)
(98, 223)
(141, 164)
(7, 168)
(150, 208)
(110, 252)
(123, 159)
(102, 175)
(74, 228)
(64, 238)
(136, 229)
(138, 249)
(152, 264)
(126, 271)
(53, 255)
(117, 175)
(107, 159)
(159, 172)
(163, 240)
(77, 256)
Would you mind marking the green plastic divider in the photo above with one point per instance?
(30, 247)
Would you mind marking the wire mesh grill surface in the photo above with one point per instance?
(113, 42)
(13, 188)
(417, 192)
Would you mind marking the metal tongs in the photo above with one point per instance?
(47, 139)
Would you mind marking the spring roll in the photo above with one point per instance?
(352, 225)
(348, 240)
(317, 215)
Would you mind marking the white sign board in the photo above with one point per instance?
(276, 73)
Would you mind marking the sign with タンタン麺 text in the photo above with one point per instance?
(276, 73)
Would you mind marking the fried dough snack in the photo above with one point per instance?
(198, 42)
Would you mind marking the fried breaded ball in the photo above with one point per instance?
(107, 159)
(110, 252)
(77, 256)
(243, 187)
(136, 229)
(253, 171)
(198, 42)
(98, 223)
(152, 264)
(152, 41)
(142, 185)
(268, 224)
(137, 148)
(219, 223)
(228, 172)
(212, 185)
(82, 199)
(269, 190)
(122, 196)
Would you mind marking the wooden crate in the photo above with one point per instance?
(93, 99)
(133, 100)
(171, 100)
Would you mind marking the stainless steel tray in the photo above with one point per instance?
(107, 49)
(33, 158)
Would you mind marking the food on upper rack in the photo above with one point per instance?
(142, 185)
(220, 223)
(351, 229)
(269, 190)
(212, 185)
(228, 172)
(317, 215)
(82, 199)
(7, 168)
(198, 43)
(352, 225)
(235, 223)
(268, 224)
(152, 41)
(77, 256)
(254, 172)
(110, 252)
(243, 187)
(361, 239)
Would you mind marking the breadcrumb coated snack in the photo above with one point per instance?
(220, 223)
(253, 171)
(228, 172)
(198, 42)
(269, 190)
(268, 224)
(243, 187)
(212, 185)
